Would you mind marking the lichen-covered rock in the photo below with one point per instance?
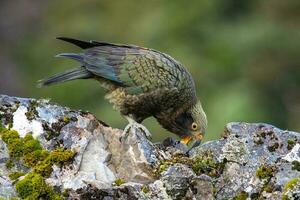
(177, 179)
(259, 160)
(58, 153)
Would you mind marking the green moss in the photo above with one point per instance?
(2, 128)
(265, 172)
(161, 168)
(268, 188)
(33, 186)
(30, 144)
(145, 189)
(202, 164)
(31, 159)
(19, 147)
(58, 157)
(285, 197)
(65, 193)
(296, 165)
(241, 196)
(119, 181)
(206, 164)
(15, 175)
(14, 143)
(9, 164)
(291, 184)
(290, 143)
(163, 165)
(30, 151)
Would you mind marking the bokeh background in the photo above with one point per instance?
(244, 55)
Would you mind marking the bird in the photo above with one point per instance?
(140, 83)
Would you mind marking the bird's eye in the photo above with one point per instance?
(194, 126)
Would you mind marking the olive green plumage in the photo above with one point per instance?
(140, 83)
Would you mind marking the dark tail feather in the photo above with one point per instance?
(74, 56)
(79, 43)
(78, 73)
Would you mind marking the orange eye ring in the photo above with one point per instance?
(194, 126)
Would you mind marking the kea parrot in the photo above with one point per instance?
(140, 83)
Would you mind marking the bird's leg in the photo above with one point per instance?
(133, 124)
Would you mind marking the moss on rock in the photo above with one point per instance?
(30, 151)
(33, 186)
(241, 196)
(290, 185)
(163, 165)
(145, 189)
(266, 172)
(296, 165)
(58, 156)
(291, 143)
(9, 164)
(206, 164)
(119, 181)
(15, 175)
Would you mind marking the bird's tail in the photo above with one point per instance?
(77, 73)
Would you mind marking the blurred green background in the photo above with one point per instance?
(244, 55)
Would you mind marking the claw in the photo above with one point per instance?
(145, 131)
(125, 133)
(135, 125)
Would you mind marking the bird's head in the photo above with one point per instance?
(189, 124)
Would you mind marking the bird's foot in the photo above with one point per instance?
(135, 125)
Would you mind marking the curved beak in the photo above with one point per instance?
(186, 139)
(197, 137)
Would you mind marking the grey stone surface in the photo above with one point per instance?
(219, 169)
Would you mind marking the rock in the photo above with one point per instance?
(203, 186)
(92, 162)
(248, 148)
(177, 179)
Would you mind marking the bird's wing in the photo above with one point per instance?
(135, 68)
